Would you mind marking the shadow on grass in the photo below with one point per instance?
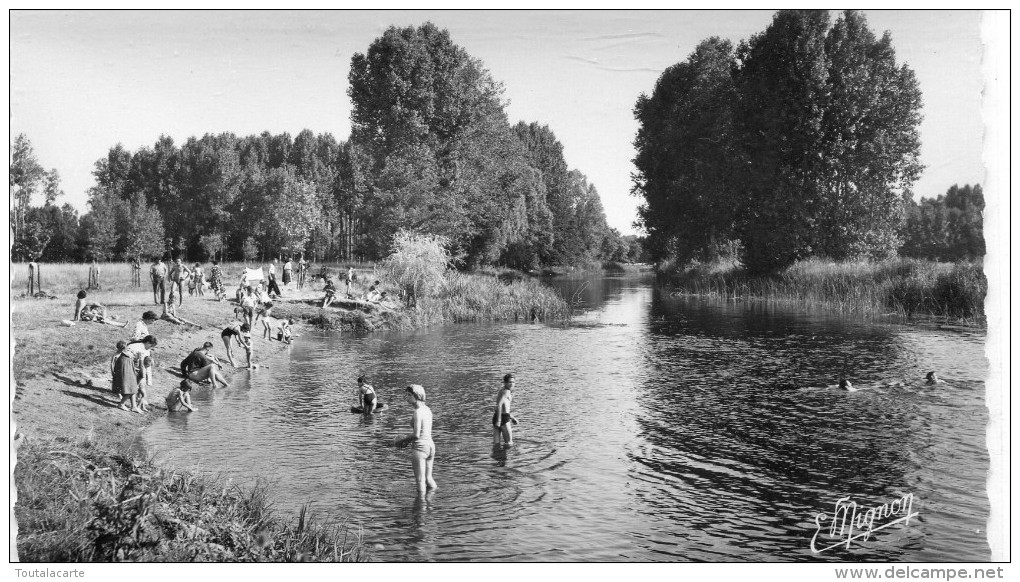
(92, 398)
(79, 383)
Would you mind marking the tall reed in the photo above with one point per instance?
(903, 287)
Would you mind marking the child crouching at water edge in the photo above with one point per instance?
(180, 397)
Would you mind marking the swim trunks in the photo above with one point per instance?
(424, 449)
(505, 420)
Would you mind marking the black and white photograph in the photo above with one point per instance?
(726, 287)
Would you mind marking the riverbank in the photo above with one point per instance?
(71, 437)
(902, 288)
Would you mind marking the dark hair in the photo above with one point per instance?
(215, 262)
(196, 264)
(82, 294)
(150, 315)
(149, 339)
(843, 383)
(362, 380)
(269, 304)
(121, 345)
(245, 327)
(185, 385)
(207, 345)
(508, 377)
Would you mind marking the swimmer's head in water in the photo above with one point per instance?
(845, 384)
(932, 378)
(417, 391)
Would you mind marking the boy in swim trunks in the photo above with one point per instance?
(502, 420)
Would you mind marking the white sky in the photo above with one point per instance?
(83, 81)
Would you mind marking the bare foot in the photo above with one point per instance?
(123, 407)
(432, 486)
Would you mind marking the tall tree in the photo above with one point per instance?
(871, 142)
(781, 85)
(51, 187)
(686, 163)
(25, 174)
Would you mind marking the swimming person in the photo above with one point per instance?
(423, 450)
(366, 395)
(932, 379)
(180, 396)
(502, 420)
(845, 384)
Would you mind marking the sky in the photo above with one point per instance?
(83, 81)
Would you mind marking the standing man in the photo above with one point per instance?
(349, 279)
(272, 287)
(288, 269)
(33, 268)
(302, 270)
(158, 273)
(94, 274)
(136, 272)
(502, 420)
(178, 273)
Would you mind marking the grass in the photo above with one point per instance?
(900, 287)
(84, 501)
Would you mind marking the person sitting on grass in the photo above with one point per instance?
(180, 397)
(142, 327)
(330, 290)
(200, 367)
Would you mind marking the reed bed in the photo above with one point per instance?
(81, 501)
(897, 287)
(475, 297)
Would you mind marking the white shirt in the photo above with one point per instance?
(140, 331)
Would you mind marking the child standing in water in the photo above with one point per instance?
(366, 395)
(423, 450)
(502, 420)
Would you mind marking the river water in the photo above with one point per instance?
(653, 428)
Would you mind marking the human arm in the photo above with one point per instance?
(186, 402)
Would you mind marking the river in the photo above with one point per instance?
(653, 428)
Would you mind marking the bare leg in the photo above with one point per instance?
(508, 434)
(429, 481)
(230, 355)
(496, 435)
(418, 465)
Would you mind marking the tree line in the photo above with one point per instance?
(800, 141)
(431, 151)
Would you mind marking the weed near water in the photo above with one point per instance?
(85, 501)
(902, 287)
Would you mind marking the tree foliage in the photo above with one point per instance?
(947, 228)
(800, 142)
(418, 263)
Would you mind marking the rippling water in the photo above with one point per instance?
(652, 428)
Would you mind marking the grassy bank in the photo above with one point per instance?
(899, 287)
(84, 501)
